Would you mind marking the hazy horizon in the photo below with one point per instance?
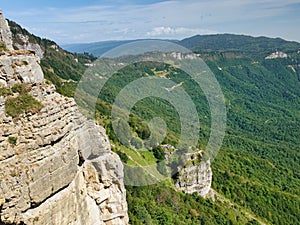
(167, 39)
(71, 22)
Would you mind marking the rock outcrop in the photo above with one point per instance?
(25, 44)
(195, 179)
(20, 67)
(56, 167)
(195, 176)
(277, 55)
(5, 33)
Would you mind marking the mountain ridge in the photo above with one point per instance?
(202, 43)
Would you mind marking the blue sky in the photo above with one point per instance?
(82, 21)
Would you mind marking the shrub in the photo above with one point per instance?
(3, 46)
(22, 89)
(22, 104)
(124, 158)
(5, 92)
(136, 142)
(12, 140)
(161, 167)
(159, 153)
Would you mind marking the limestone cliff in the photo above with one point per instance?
(56, 167)
(5, 34)
(194, 175)
(195, 179)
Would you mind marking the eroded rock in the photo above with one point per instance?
(56, 167)
(5, 33)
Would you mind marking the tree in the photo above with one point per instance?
(136, 142)
(159, 153)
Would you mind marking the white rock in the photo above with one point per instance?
(43, 177)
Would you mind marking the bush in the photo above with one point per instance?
(136, 142)
(161, 167)
(22, 89)
(3, 46)
(5, 92)
(12, 140)
(159, 153)
(22, 104)
(123, 132)
(124, 158)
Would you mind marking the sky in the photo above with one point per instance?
(85, 21)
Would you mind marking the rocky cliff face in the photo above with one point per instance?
(25, 44)
(194, 175)
(56, 167)
(5, 34)
(19, 66)
(195, 179)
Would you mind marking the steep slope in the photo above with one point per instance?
(56, 167)
(258, 166)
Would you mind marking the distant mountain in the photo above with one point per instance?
(97, 48)
(248, 45)
(243, 44)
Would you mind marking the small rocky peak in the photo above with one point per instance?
(5, 34)
(16, 66)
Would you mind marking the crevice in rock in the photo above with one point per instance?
(8, 158)
(113, 218)
(52, 143)
(34, 205)
(81, 159)
(21, 223)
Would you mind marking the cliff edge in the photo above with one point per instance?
(56, 167)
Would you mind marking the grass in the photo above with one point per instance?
(23, 103)
(5, 92)
(22, 89)
(142, 157)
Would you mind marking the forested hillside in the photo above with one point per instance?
(246, 45)
(258, 165)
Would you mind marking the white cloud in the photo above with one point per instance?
(176, 32)
(169, 19)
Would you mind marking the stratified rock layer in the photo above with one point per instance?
(20, 67)
(56, 167)
(61, 169)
